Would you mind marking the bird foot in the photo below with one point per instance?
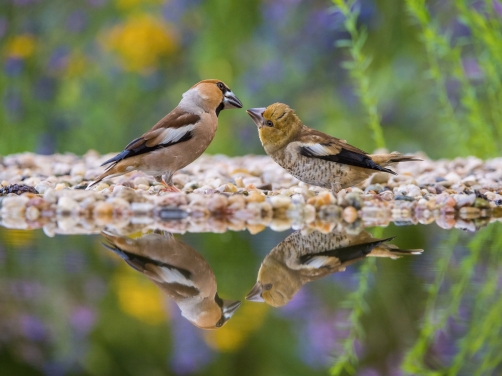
(169, 188)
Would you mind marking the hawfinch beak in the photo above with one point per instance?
(231, 101)
(229, 307)
(257, 115)
(255, 294)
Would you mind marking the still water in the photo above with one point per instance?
(385, 301)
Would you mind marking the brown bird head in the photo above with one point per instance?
(276, 285)
(214, 314)
(213, 95)
(277, 125)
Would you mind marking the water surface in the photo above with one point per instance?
(110, 304)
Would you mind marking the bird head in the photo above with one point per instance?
(277, 125)
(212, 95)
(215, 314)
(276, 285)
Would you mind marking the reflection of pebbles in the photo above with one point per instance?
(181, 272)
(303, 258)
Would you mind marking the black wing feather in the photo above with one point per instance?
(144, 149)
(349, 253)
(139, 262)
(347, 157)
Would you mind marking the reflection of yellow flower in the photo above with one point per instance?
(77, 64)
(20, 46)
(141, 42)
(17, 238)
(129, 4)
(139, 297)
(233, 335)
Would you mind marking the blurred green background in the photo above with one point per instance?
(410, 75)
(93, 74)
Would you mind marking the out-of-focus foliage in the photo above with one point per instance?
(422, 75)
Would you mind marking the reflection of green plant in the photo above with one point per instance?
(359, 64)
(357, 304)
(441, 307)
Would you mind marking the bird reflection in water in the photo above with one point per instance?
(180, 271)
(299, 259)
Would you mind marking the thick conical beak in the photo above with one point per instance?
(257, 115)
(255, 294)
(231, 101)
(229, 307)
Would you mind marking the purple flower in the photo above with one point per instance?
(190, 353)
(13, 66)
(82, 320)
(58, 59)
(33, 328)
(96, 3)
(77, 21)
(497, 7)
(3, 26)
(471, 68)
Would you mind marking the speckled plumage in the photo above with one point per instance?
(300, 259)
(315, 157)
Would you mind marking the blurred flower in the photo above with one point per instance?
(17, 238)
(497, 7)
(33, 328)
(76, 65)
(58, 59)
(190, 353)
(3, 26)
(13, 66)
(82, 320)
(129, 4)
(77, 21)
(141, 42)
(20, 46)
(471, 68)
(45, 88)
(233, 335)
(97, 3)
(139, 297)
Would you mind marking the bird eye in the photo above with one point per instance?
(268, 286)
(269, 123)
(220, 86)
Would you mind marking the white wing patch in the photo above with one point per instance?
(174, 276)
(318, 149)
(172, 135)
(318, 261)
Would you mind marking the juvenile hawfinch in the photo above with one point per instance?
(299, 259)
(180, 271)
(315, 157)
(178, 138)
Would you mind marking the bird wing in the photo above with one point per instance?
(175, 127)
(344, 254)
(314, 144)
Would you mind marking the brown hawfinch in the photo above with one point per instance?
(299, 259)
(315, 157)
(178, 138)
(180, 271)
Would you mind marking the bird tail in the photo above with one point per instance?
(392, 158)
(391, 251)
(111, 171)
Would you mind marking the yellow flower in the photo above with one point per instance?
(139, 297)
(141, 42)
(234, 334)
(20, 46)
(77, 64)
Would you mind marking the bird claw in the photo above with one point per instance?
(169, 188)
